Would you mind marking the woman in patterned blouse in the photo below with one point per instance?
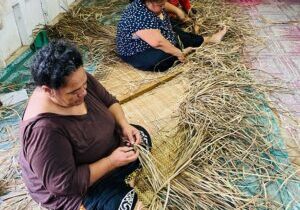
(146, 40)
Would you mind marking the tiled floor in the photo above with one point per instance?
(279, 25)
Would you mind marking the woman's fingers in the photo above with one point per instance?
(181, 57)
(125, 149)
(123, 155)
(128, 151)
(133, 156)
(189, 50)
(137, 137)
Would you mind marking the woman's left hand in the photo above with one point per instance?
(131, 134)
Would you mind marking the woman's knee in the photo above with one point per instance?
(151, 60)
(189, 39)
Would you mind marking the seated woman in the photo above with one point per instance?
(181, 9)
(76, 142)
(145, 38)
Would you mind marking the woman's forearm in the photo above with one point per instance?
(118, 114)
(175, 10)
(99, 168)
(168, 47)
(156, 40)
(171, 8)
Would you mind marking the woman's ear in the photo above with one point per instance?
(47, 90)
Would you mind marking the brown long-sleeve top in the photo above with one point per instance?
(56, 149)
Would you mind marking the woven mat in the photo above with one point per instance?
(156, 110)
(123, 80)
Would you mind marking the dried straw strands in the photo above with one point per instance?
(81, 25)
(221, 156)
(13, 193)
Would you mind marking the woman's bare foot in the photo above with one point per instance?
(217, 37)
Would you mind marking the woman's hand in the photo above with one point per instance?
(182, 54)
(131, 134)
(181, 15)
(122, 156)
(187, 20)
(119, 157)
(181, 57)
(188, 50)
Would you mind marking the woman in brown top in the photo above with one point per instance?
(72, 153)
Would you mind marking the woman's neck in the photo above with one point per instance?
(40, 102)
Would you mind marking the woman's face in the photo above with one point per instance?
(74, 90)
(155, 7)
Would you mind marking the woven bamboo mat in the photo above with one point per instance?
(124, 81)
(156, 109)
(157, 112)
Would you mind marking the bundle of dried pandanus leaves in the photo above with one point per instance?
(81, 25)
(222, 153)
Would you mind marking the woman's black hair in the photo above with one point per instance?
(54, 62)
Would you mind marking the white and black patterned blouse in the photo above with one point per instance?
(138, 17)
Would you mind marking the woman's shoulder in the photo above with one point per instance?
(35, 106)
(40, 117)
(38, 105)
(47, 121)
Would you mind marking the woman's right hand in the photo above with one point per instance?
(122, 156)
(180, 55)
